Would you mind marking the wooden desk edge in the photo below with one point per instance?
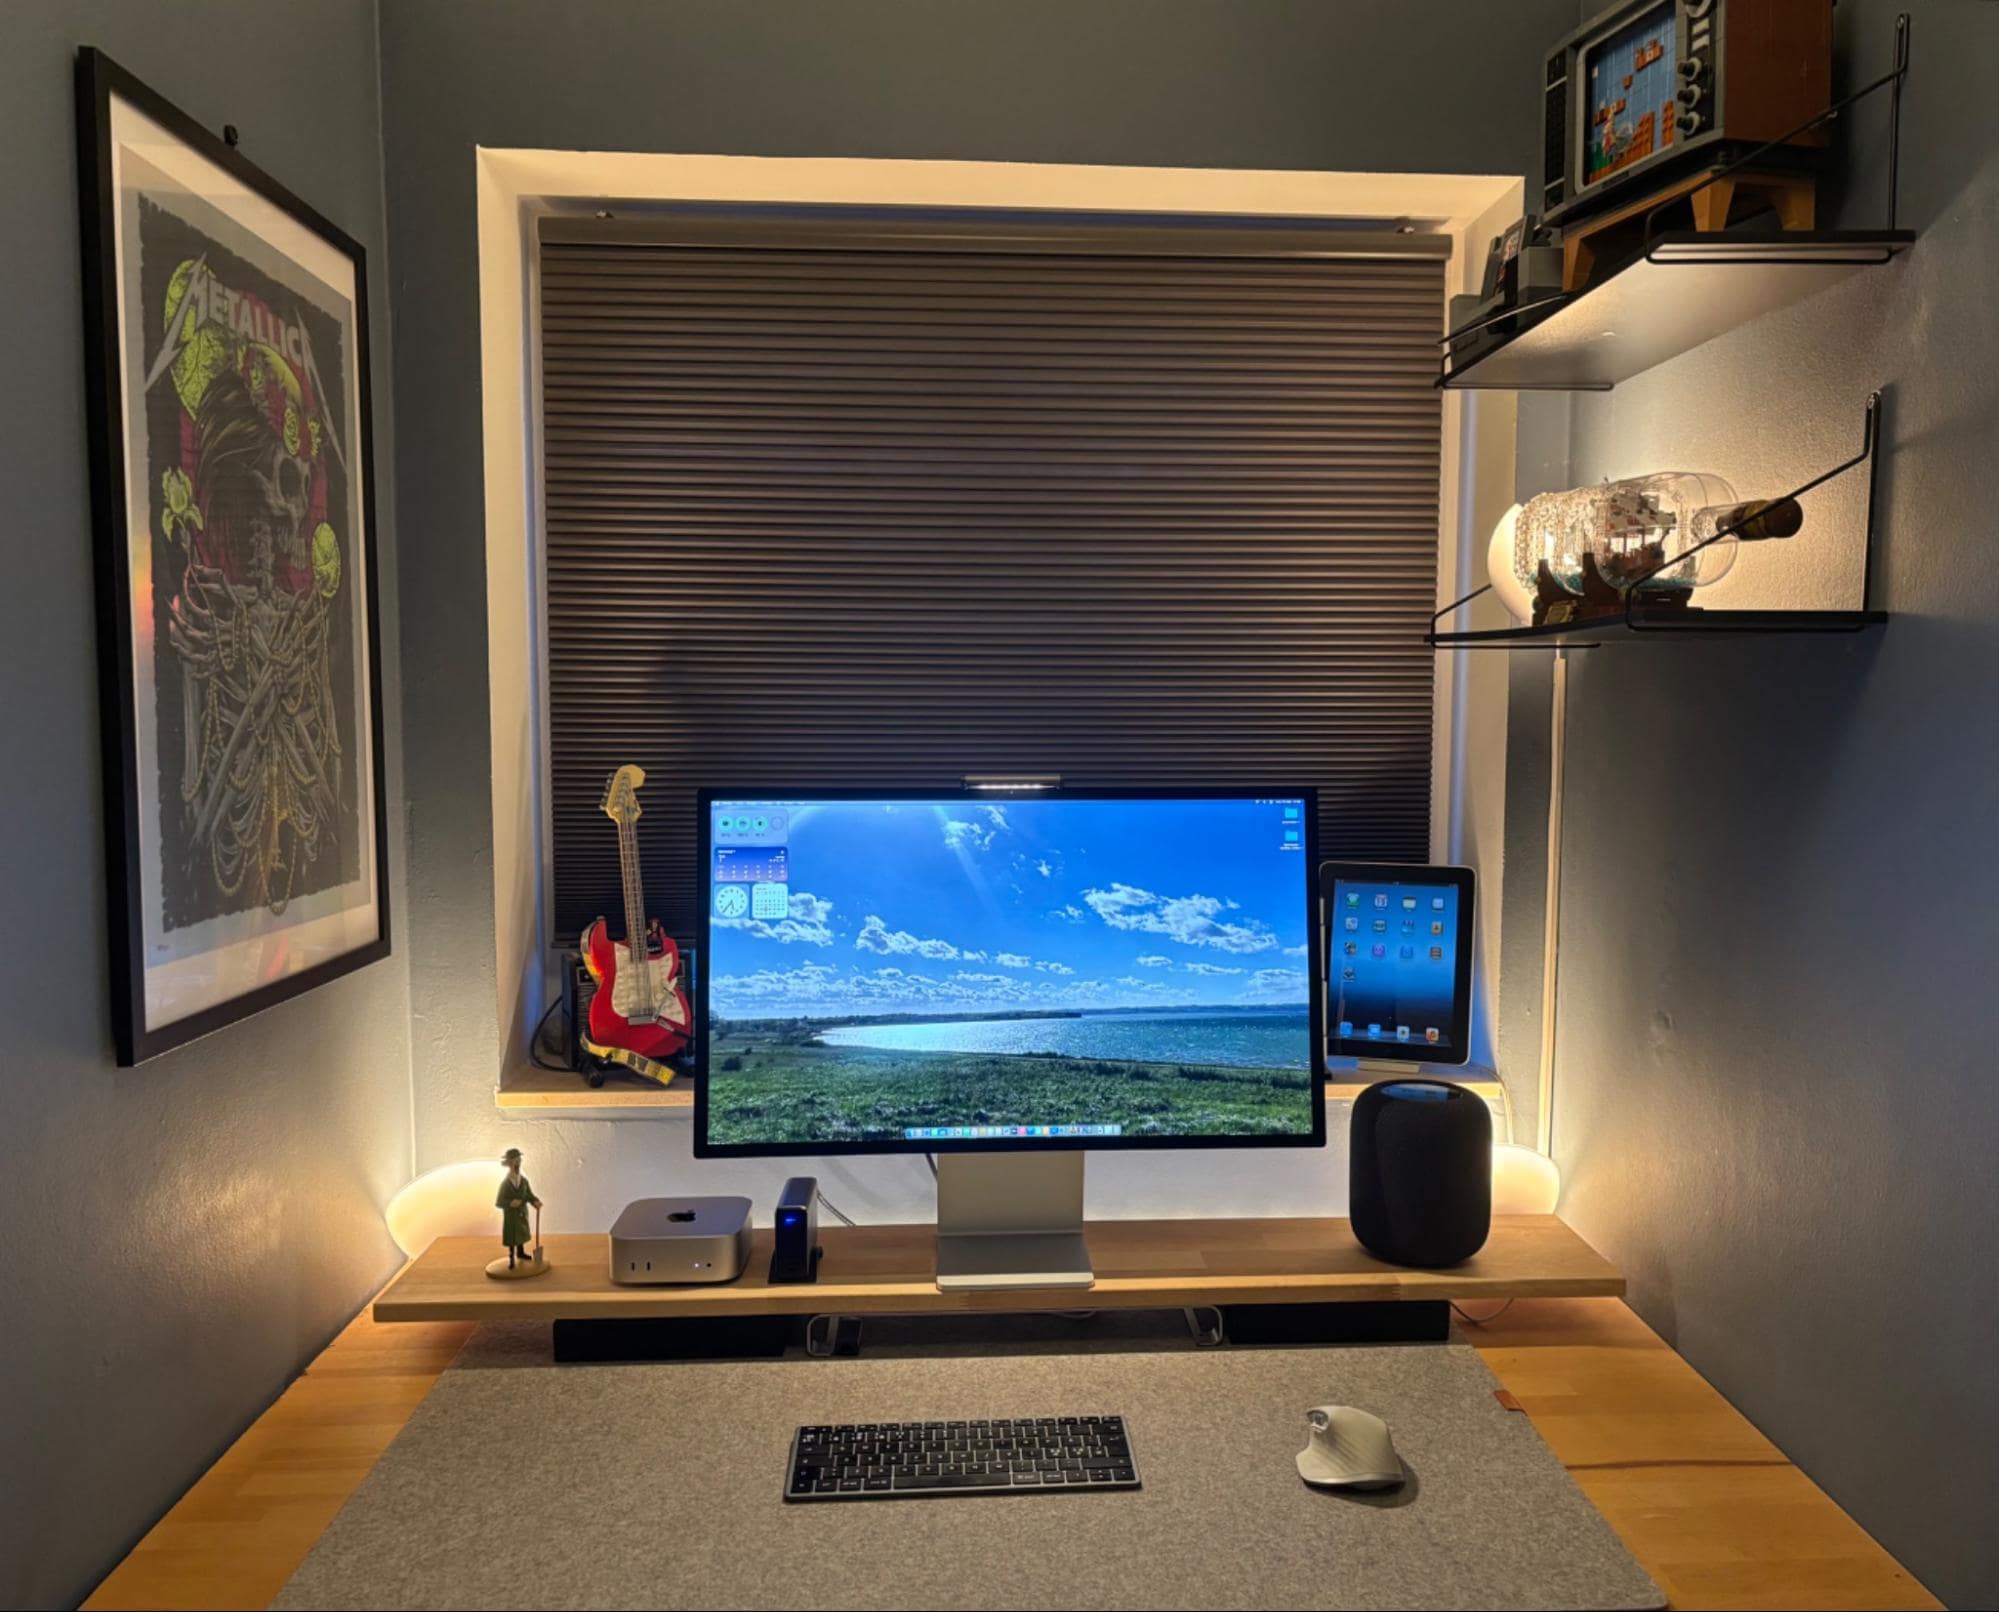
(1568, 1269)
(825, 1299)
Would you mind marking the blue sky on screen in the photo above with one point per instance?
(965, 907)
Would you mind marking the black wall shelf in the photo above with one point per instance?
(1641, 620)
(1670, 624)
(1686, 289)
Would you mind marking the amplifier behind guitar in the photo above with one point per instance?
(577, 989)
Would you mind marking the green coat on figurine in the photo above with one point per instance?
(514, 1199)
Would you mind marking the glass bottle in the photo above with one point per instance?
(1643, 532)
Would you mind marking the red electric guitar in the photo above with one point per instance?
(638, 1016)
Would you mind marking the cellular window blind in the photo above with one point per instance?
(867, 502)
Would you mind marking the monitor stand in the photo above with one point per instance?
(1011, 1220)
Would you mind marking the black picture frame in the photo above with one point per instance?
(138, 1032)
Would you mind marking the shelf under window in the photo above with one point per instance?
(529, 1092)
(1687, 289)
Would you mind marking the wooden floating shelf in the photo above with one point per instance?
(533, 1089)
(548, 1088)
(1687, 289)
(1140, 1265)
(1680, 625)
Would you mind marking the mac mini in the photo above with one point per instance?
(664, 1240)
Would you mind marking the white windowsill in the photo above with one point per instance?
(541, 1092)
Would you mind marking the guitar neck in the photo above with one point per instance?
(635, 918)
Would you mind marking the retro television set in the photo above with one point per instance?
(1653, 89)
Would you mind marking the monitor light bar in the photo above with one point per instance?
(1019, 784)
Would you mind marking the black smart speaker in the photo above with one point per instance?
(1420, 1172)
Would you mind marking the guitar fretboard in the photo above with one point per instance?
(643, 1010)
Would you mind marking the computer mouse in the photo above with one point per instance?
(1348, 1449)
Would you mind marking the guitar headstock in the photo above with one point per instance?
(621, 794)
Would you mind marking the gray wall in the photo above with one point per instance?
(1541, 464)
(175, 1240)
(1768, 1104)
(1399, 85)
(1774, 1096)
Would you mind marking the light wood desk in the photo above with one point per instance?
(1711, 1508)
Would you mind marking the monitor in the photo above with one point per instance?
(1398, 948)
(969, 972)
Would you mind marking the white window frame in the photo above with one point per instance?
(515, 187)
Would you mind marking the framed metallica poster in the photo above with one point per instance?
(227, 343)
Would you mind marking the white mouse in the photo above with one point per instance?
(1348, 1449)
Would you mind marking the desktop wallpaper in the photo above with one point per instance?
(953, 969)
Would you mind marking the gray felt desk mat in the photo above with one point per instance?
(522, 1484)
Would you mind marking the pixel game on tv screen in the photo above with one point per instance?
(1631, 95)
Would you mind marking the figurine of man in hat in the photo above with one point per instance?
(514, 1199)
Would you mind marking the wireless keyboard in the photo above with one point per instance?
(890, 1460)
